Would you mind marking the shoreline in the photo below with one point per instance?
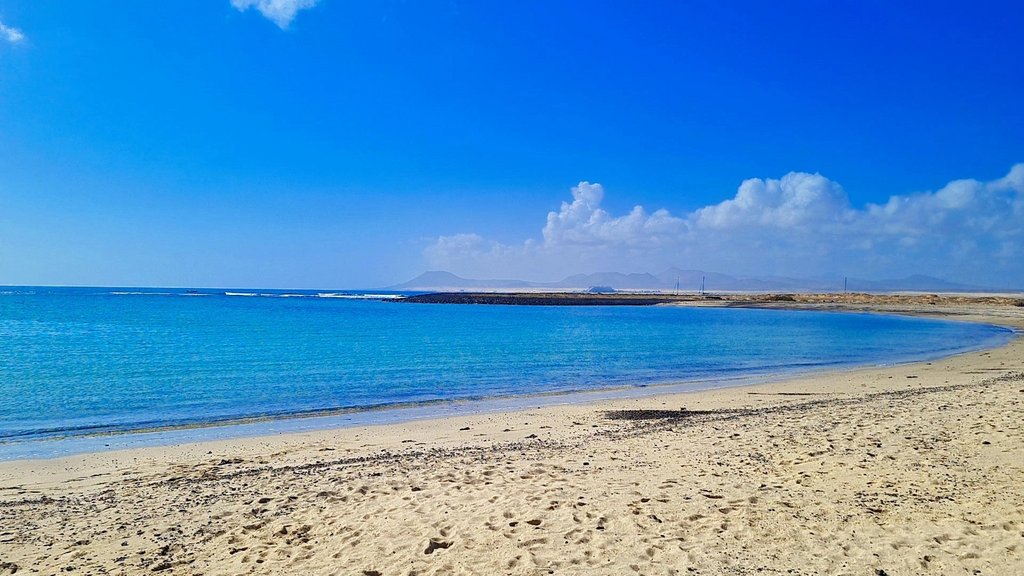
(908, 468)
(333, 418)
(104, 440)
(791, 300)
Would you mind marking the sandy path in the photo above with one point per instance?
(915, 469)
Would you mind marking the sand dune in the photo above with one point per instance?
(915, 469)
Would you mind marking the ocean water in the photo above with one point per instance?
(80, 362)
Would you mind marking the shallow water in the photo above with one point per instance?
(85, 361)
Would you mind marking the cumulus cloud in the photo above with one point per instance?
(801, 224)
(798, 199)
(10, 34)
(280, 12)
(583, 221)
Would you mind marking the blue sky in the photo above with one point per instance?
(305, 143)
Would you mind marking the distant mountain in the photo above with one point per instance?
(692, 280)
(916, 283)
(441, 280)
(688, 281)
(616, 280)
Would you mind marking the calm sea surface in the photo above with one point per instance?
(85, 361)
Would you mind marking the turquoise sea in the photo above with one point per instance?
(81, 364)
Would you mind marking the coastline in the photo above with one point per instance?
(718, 299)
(60, 443)
(834, 472)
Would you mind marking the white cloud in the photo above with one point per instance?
(801, 224)
(12, 35)
(798, 199)
(584, 222)
(280, 12)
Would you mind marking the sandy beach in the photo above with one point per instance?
(909, 469)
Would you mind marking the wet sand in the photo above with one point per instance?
(911, 469)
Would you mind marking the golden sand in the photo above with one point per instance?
(912, 469)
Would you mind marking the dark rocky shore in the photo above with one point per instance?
(546, 298)
(745, 300)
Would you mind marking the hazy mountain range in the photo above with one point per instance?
(688, 281)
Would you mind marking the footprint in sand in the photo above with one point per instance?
(437, 545)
